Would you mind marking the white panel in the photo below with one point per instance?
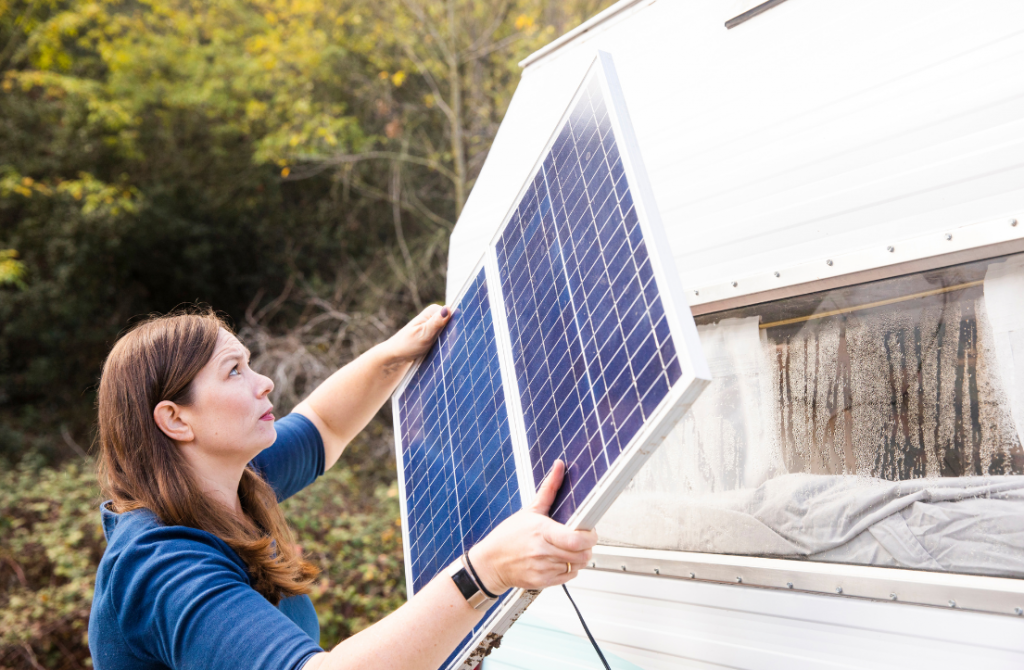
(814, 128)
(667, 623)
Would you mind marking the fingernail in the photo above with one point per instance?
(444, 312)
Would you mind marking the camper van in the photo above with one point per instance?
(842, 188)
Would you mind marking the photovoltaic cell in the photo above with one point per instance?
(591, 347)
(459, 472)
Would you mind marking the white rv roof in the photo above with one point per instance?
(815, 131)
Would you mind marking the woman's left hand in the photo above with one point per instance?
(415, 339)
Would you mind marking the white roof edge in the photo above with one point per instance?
(584, 27)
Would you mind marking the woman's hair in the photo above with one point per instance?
(140, 466)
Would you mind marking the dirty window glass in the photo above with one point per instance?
(878, 424)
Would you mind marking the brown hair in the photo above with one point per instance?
(140, 466)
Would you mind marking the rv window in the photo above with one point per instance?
(878, 424)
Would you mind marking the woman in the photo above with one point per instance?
(200, 570)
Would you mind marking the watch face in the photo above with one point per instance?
(466, 585)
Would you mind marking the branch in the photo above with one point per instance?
(499, 18)
(425, 20)
(430, 82)
(322, 164)
(497, 46)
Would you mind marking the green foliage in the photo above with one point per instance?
(51, 542)
(11, 269)
(294, 163)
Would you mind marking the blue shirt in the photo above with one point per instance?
(177, 597)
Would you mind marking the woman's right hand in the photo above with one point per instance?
(530, 550)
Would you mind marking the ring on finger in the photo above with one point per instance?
(568, 567)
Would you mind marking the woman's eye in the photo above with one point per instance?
(234, 371)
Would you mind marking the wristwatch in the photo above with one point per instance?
(468, 587)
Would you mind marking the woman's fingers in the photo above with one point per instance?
(569, 540)
(431, 321)
(549, 489)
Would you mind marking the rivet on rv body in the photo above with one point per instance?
(839, 589)
(789, 585)
(692, 576)
(657, 571)
(1013, 222)
(696, 292)
(1018, 611)
(891, 248)
(623, 568)
(892, 596)
(949, 236)
(735, 284)
(593, 564)
(777, 273)
(952, 603)
(828, 262)
(739, 580)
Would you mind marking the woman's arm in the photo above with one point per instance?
(527, 550)
(347, 400)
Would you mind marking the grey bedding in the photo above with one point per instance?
(967, 524)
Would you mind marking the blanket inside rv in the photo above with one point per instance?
(967, 524)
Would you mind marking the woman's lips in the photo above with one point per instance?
(269, 416)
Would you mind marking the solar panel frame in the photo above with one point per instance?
(695, 375)
(516, 600)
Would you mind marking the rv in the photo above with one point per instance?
(842, 187)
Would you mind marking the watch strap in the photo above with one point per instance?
(468, 587)
(476, 576)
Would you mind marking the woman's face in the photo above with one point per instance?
(230, 413)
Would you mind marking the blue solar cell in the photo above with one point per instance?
(590, 346)
(459, 470)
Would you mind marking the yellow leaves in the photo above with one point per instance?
(255, 109)
(11, 269)
(428, 100)
(330, 138)
(285, 172)
(524, 22)
(398, 78)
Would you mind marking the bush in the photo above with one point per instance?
(51, 541)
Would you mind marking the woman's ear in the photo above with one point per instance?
(169, 419)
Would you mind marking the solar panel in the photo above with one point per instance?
(571, 341)
(456, 448)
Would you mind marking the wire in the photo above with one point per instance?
(586, 630)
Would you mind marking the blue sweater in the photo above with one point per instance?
(177, 597)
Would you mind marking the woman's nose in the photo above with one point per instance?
(266, 385)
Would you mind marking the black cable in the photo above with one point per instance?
(586, 630)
